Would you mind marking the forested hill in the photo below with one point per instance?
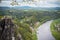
(29, 8)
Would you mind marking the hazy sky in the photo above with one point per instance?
(38, 3)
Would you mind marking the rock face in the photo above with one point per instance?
(7, 29)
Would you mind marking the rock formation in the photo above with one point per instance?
(7, 29)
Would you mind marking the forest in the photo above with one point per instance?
(26, 20)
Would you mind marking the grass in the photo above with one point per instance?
(1, 17)
(55, 33)
(34, 35)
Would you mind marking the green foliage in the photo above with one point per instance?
(34, 36)
(24, 30)
(1, 17)
(55, 33)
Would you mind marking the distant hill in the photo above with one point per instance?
(28, 7)
(37, 8)
(4, 8)
(50, 8)
(22, 7)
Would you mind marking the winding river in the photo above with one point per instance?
(43, 32)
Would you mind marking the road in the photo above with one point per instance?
(44, 33)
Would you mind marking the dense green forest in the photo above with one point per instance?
(30, 15)
(26, 20)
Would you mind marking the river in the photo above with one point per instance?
(43, 32)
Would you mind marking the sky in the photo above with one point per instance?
(36, 3)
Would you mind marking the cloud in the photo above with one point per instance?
(39, 3)
(5, 3)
